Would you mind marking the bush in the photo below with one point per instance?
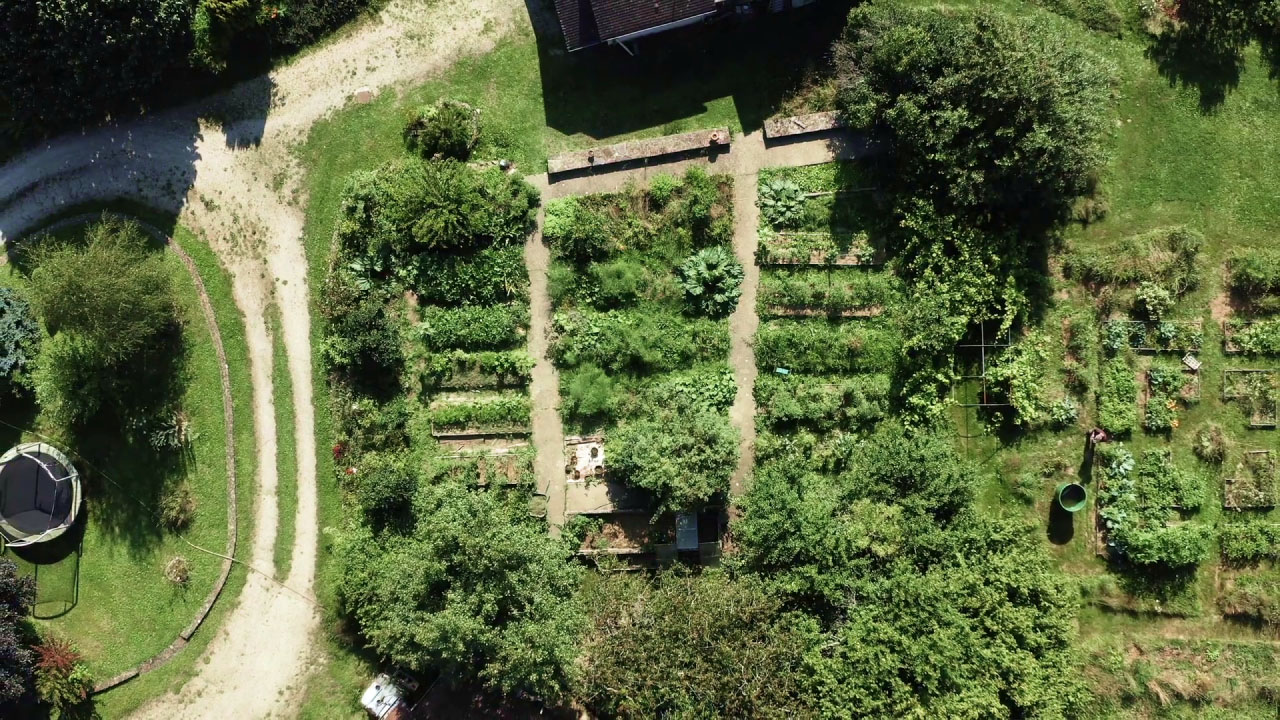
(663, 187)
(385, 483)
(712, 281)
(111, 308)
(1064, 413)
(19, 338)
(1017, 373)
(362, 339)
(178, 508)
(589, 392)
(576, 232)
(17, 660)
(178, 571)
(62, 678)
(618, 283)
(684, 458)
(704, 209)
(1211, 443)
(1255, 272)
(447, 129)
(303, 22)
(495, 327)
(1154, 301)
(489, 276)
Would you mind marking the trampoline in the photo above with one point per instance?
(39, 494)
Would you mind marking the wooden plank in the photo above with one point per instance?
(639, 150)
(780, 127)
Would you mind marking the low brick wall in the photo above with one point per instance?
(713, 139)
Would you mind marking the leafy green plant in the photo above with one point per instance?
(1249, 542)
(178, 508)
(1255, 272)
(447, 129)
(1064, 413)
(1118, 397)
(62, 678)
(472, 328)
(501, 413)
(781, 203)
(712, 281)
(637, 342)
(1155, 301)
(1257, 337)
(1018, 372)
(824, 403)
(663, 187)
(461, 369)
(576, 231)
(1137, 517)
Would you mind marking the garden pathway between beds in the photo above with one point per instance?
(747, 156)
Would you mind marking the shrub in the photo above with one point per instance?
(589, 392)
(704, 210)
(111, 308)
(19, 338)
(1154, 301)
(663, 187)
(303, 22)
(178, 508)
(447, 129)
(362, 339)
(712, 281)
(1255, 271)
(618, 283)
(1118, 397)
(62, 678)
(385, 483)
(1211, 443)
(577, 232)
(17, 660)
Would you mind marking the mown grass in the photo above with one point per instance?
(286, 453)
(127, 611)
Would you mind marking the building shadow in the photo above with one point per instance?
(241, 112)
(603, 91)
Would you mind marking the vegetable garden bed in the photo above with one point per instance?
(1251, 337)
(1165, 336)
(1256, 392)
(1253, 483)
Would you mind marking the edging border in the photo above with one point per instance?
(228, 414)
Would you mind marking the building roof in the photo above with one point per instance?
(589, 22)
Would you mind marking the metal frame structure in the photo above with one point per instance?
(983, 348)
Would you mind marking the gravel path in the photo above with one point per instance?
(226, 166)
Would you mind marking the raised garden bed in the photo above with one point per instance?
(817, 248)
(714, 139)
(1166, 336)
(1253, 482)
(1256, 392)
(1251, 337)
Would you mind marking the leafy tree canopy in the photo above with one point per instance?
(683, 457)
(997, 119)
(476, 590)
(692, 646)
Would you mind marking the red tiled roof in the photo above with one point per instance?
(588, 22)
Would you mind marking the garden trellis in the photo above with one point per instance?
(974, 355)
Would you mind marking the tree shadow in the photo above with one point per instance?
(1200, 56)
(603, 91)
(241, 113)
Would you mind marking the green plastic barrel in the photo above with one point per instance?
(1072, 497)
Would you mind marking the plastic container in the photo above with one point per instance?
(1072, 497)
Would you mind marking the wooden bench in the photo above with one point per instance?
(715, 138)
(781, 127)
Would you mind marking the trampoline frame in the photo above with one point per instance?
(12, 536)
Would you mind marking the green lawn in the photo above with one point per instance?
(123, 610)
(286, 455)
